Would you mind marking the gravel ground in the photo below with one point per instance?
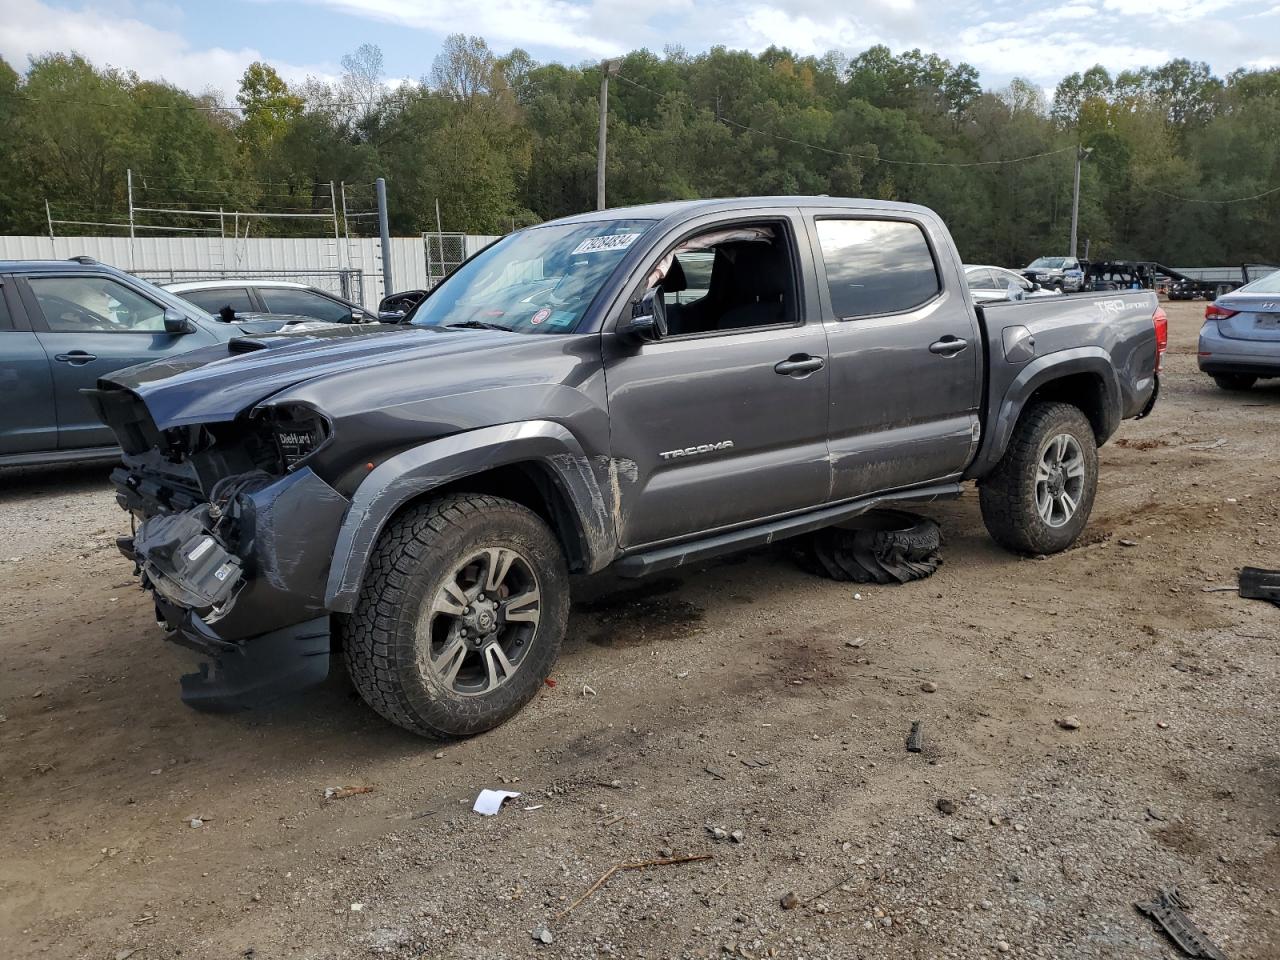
(741, 696)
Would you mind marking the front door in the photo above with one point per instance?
(905, 353)
(724, 421)
(94, 325)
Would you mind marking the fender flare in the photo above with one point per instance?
(420, 469)
(1036, 374)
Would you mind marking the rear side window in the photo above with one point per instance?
(304, 303)
(6, 321)
(876, 266)
(215, 300)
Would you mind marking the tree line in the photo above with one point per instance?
(502, 141)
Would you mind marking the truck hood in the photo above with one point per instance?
(219, 382)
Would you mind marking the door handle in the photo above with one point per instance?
(77, 358)
(799, 365)
(948, 346)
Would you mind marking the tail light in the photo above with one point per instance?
(1161, 321)
(1215, 312)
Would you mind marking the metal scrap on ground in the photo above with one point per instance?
(915, 739)
(1259, 584)
(1167, 910)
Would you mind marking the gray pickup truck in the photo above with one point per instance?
(634, 389)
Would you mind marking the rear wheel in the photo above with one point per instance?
(1234, 381)
(461, 615)
(1038, 498)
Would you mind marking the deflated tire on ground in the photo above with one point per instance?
(882, 546)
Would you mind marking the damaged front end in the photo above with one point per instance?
(233, 534)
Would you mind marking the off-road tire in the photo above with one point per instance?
(1008, 495)
(1235, 382)
(882, 546)
(415, 552)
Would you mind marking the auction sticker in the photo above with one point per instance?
(541, 315)
(612, 241)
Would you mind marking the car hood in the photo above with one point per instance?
(219, 382)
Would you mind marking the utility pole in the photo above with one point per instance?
(608, 68)
(129, 184)
(384, 231)
(1081, 153)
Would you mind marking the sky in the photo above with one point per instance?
(206, 44)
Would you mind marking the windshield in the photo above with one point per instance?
(1268, 284)
(539, 280)
(1048, 263)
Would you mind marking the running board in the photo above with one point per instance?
(665, 558)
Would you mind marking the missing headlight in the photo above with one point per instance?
(298, 433)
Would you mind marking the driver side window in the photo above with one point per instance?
(731, 278)
(94, 305)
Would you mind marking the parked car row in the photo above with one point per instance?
(65, 323)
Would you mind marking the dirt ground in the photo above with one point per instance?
(742, 695)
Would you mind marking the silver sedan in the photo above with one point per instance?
(996, 283)
(1240, 339)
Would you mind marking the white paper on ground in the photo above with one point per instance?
(490, 801)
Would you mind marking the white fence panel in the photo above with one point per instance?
(213, 256)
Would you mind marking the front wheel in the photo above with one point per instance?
(1038, 498)
(461, 615)
(1235, 382)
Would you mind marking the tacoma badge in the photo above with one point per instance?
(700, 448)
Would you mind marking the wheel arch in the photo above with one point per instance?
(538, 464)
(1084, 378)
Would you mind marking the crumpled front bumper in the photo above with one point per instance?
(252, 604)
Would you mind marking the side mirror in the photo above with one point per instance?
(176, 323)
(357, 316)
(648, 317)
(1035, 287)
(226, 314)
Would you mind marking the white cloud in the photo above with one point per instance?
(104, 37)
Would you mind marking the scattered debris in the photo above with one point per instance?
(357, 907)
(1167, 910)
(789, 900)
(549, 682)
(439, 754)
(714, 772)
(1155, 814)
(196, 822)
(856, 642)
(682, 675)
(126, 954)
(946, 807)
(340, 793)
(1069, 723)
(1259, 584)
(1127, 543)
(1223, 588)
(737, 836)
(536, 806)
(1213, 445)
(490, 802)
(717, 833)
(632, 865)
(915, 739)
(929, 687)
(588, 690)
(543, 935)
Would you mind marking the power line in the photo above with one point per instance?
(866, 156)
(1174, 196)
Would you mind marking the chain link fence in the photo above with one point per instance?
(444, 252)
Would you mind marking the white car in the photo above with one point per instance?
(988, 283)
(230, 298)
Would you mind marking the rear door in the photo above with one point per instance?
(28, 420)
(905, 351)
(92, 324)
